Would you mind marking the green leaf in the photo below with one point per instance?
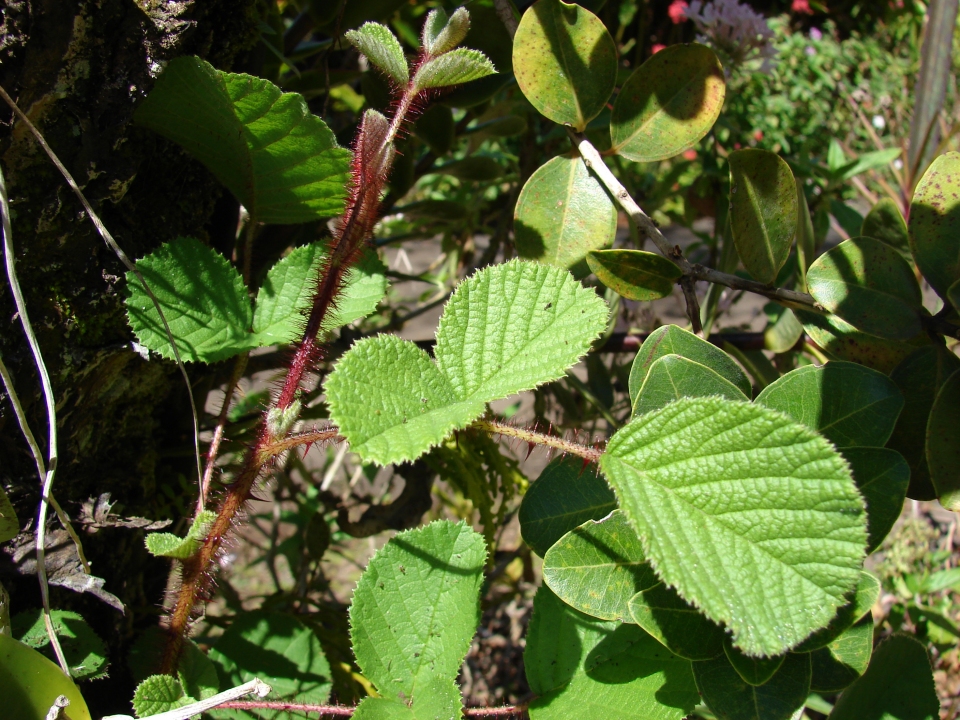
(934, 225)
(278, 649)
(898, 685)
(436, 698)
(287, 291)
(195, 671)
(158, 694)
(845, 659)
(598, 567)
(634, 274)
(850, 405)
(382, 49)
(453, 68)
(563, 497)
(713, 486)
(668, 104)
(416, 607)
(9, 525)
(752, 670)
(441, 34)
(565, 62)
(783, 329)
(280, 161)
(943, 443)
(203, 299)
(593, 670)
(870, 285)
(885, 223)
(562, 214)
(849, 219)
(953, 295)
(806, 237)
(673, 340)
(83, 649)
(857, 606)
(679, 626)
(728, 696)
(31, 684)
(882, 476)
(672, 377)
(763, 211)
(169, 545)
(870, 161)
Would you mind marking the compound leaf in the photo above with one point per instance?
(934, 225)
(751, 516)
(882, 476)
(634, 274)
(672, 377)
(453, 68)
(729, 696)
(280, 161)
(679, 626)
(943, 443)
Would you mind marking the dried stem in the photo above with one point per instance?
(532, 437)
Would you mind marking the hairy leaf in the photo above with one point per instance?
(9, 525)
(668, 104)
(170, 545)
(857, 606)
(751, 516)
(731, 698)
(158, 694)
(852, 406)
(31, 683)
(435, 698)
(382, 49)
(885, 223)
(565, 62)
(416, 607)
(634, 274)
(843, 660)
(934, 225)
(562, 214)
(563, 497)
(195, 671)
(82, 647)
(679, 626)
(943, 443)
(453, 68)
(280, 161)
(672, 377)
(763, 211)
(882, 477)
(202, 297)
(441, 33)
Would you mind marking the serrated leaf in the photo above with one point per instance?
(763, 211)
(416, 607)
(83, 649)
(679, 626)
(441, 33)
(783, 329)
(170, 545)
(728, 696)
(943, 443)
(280, 161)
(562, 214)
(634, 274)
(668, 104)
(597, 567)
(158, 694)
(850, 405)
(565, 62)
(752, 670)
(202, 297)
(436, 699)
(870, 285)
(934, 226)
(674, 340)
(898, 684)
(31, 683)
(672, 377)
(287, 291)
(845, 659)
(857, 606)
(882, 476)
(563, 497)
(382, 49)
(453, 68)
(278, 649)
(195, 671)
(885, 223)
(591, 669)
(9, 525)
(712, 486)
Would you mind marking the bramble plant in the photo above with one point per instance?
(705, 557)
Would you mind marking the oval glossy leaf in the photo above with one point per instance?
(668, 104)
(898, 684)
(857, 607)
(882, 476)
(9, 525)
(935, 223)
(565, 62)
(943, 443)
(679, 626)
(850, 405)
(674, 340)
(885, 223)
(564, 497)
(783, 329)
(763, 211)
(672, 377)
(634, 274)
(598, 567)
(732, 698)
(31, 684)
(870, 285)
(562, 214)
(711, 484)
(752, 670)
(845, 659)
(280, 161)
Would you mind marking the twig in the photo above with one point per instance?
(310, 437)
(532, 437)
(505, 13)
(688, 285)
(224, 699)
(46, 473)
(239, 365)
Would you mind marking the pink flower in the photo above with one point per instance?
(801, 6)
(657, 48)
(678, 11)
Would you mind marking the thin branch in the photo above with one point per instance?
(504, 10)
(346, 711)
(506, 710)
(318, 435)
(239, 365)
(688, 285)
(494, 427)
(220, 700)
